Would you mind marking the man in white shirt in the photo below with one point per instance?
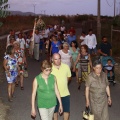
(21, 40)
(62, 29)
(37, 38)
(46, 33)
(91, 42)
(82, 38)
(8, 37)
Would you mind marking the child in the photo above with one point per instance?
(109, 67)
(47, 46)
(27, 45)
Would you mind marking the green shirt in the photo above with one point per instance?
(74, 54)
(46, 97)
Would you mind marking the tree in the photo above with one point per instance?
(4, 9)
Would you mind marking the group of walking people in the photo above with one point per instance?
(65, 56)
(15, 62)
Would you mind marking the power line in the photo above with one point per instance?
(109, 4)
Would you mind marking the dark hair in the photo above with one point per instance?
(90, 30)
(83, 32)
(9, 49)
(103, 37)
(109, 60)
(11, 30)
(97, 62)
(76, 45)
(85, 46)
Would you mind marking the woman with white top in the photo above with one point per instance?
(66, 55)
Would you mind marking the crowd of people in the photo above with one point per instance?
(65, 56)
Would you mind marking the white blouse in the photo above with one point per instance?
(65, 57)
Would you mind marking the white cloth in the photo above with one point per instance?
(8, 39)
(91, 41)
(37, 38)
(65, 57)
(108, 67)
(28, 43)
(62, 28)
(82, 38)
(55, 27)
(46, 114)
(36, 51)
(47, 31)
(22, 42)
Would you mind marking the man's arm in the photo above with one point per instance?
(110, 52)
(95, 41)
(100, 52)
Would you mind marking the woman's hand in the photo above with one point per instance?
(73, 69)
(8, 74)
(109, 101)
(60, 109)
(33, 113)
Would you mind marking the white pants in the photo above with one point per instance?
(46, 114)
(36, 51)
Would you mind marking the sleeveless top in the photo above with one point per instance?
(74, 54)
(84, 58)
(46, 97)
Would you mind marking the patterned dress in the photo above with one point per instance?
(83, 67)
(12, 68)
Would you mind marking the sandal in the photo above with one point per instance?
(22, 88)
(10, 100)
(16, 84)
(13, 96)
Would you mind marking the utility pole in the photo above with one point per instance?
(119, 8)
(44, 12)
(98, 21)
(114, 8)
(34, 8)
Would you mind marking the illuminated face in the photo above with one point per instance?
(73, 44)
(13, 51)
(90, 33)
(47, 71)
(83, 49)
(109, 62)
(57, 59)
(104, 40)
(66, 47)
(98, 69)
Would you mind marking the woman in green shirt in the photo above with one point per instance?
(46, 88)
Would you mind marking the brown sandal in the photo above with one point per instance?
(16, 84)
(22, 88)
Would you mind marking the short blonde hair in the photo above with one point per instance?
(65, 44)
(45, 64)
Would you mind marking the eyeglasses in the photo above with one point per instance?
(48, 69)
